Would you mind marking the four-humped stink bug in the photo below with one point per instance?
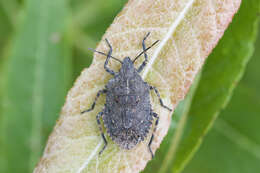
(127, 114)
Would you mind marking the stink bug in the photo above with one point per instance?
(127, 114)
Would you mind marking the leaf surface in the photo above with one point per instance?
(36, 77)
(188, 31)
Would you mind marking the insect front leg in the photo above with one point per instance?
(155, 115)
(108, 57)
(94, 103)
(158, 95)
(145, 55)
(100, 129)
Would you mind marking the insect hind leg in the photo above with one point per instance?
(98, 117)
(155, 115)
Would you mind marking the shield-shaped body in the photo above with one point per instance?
(127, 114)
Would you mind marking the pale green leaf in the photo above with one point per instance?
(188, 31)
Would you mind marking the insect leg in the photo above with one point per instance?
(155, 115)
(94, 103)
(145, 55)
(100, 129)
(108, 57)
(158, 95)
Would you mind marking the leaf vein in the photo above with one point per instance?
(167, 37)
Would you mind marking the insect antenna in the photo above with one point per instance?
(105, 54)
(145, 50)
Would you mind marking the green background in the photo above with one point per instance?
(44, 47)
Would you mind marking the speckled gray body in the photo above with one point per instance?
(127, 114)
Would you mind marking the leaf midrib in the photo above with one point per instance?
(168, 35)
(91, 156)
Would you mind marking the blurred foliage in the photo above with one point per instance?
(43, 48)
(233, 145)
(36, 76)
(5, 29)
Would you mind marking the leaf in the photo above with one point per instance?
(36, 77)
(10, 9)
(235, 136)
(219, 78)
(188, 31)
(5, 29)
(4, 34)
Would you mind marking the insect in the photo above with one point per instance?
(127, 115)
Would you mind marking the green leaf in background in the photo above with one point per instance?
(5, 29)
(170, 143)
(36, 78)
(10, 9)
(233, 144)
(220, 74)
